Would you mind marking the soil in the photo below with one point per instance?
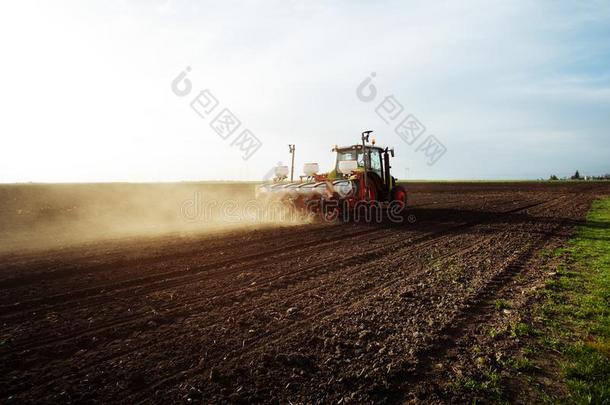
(289, 314)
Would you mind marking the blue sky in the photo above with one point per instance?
(513, 90)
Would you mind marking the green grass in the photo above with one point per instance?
(520, 329)
(502, 304)
(488, 386)
(576, 310)
(521, 363)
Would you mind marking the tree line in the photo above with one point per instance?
(578, 176)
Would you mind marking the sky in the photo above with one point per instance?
(90, 91)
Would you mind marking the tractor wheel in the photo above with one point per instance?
(399, 194)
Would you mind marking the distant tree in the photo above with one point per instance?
(553, 177)
(576, 176)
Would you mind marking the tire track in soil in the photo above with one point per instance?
(101, 291)
(54, 268)
(125, 320)
(80, 270)
(333, 309)
(294, 328)
(147, 344)
(439, 235)
(298, 326)
(457, 252)
(244, 264)
(341, 263)
(517, 209)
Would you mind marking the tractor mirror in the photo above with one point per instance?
(392, 152)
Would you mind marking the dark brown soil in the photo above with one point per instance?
(314, 313)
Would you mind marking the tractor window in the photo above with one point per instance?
(373, 158)
(348, 155)
(375, 161)
(360, 160)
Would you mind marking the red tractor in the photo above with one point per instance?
(360, 180)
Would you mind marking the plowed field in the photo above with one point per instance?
(313, 313)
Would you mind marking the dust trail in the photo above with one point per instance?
(42, 216)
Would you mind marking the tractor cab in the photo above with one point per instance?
(373, 160)
(355, 152)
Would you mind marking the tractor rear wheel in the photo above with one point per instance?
(399, 196)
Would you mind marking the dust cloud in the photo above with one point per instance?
(44, 216)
